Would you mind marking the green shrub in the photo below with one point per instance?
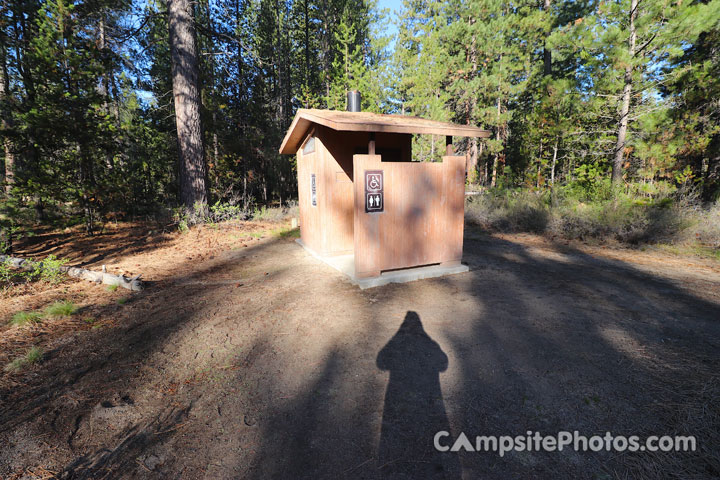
(579, 212)
(48, 270)
(276, 213)
(23, 318)
(236, 209)
(287, 232)
(221, 212)
(61, 309)
(32, 356)
(705, 226)
(7, 272)
(509, 211)
(265, 213)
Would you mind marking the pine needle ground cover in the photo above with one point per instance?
(243, 341)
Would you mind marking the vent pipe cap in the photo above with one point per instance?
(353, 101)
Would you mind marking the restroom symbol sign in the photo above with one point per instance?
(374, 201)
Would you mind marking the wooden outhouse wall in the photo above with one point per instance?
(423, 216)
(310, 216)
(328, 228)
(338, 193)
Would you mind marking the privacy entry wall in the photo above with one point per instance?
(422, 219)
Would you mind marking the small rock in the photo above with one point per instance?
(249, 421)
(153, 461)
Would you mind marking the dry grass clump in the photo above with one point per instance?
(23, 318)
(57, 309)
(61, 309)
(621, 217)
(32, 356)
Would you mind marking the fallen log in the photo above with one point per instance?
(131, 283)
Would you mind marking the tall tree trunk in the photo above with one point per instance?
(30, 155)
(554, 162)
(547, 53)
(104, 85)
(306, 76)
(496, 160)
(617, 168)
(240, 65)
(539, 165)
(473, 157)
(186, 91)
(211, 86)
(6, 236)
(472, 170)
(6, 124)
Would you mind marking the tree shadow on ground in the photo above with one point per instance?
(84, 250)
(550, 342)
(523, 342)
(565, 341)
(78, 378)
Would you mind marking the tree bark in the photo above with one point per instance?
(554, 162)
(6, 236)
(5, 125)
(496, 160)
(617, 168)
(539, 165)
(186, 91)
(240, 66)
(306, 73)
(472, 170)
(473, 157)
(547, 53)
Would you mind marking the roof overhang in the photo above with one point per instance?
(370, 122)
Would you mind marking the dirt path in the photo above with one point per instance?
(259, 361)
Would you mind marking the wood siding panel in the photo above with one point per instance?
(423, 216)
(338, 200)
(310, 217)
(336, 151)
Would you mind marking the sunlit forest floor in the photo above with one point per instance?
(247, 358)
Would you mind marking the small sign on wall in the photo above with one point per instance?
(313, 191)
(374, 201)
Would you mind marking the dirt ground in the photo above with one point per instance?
(245, 357)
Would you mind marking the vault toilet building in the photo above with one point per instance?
(365, 207)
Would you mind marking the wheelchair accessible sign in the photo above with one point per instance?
(374, 201)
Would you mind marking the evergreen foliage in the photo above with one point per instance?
(88, 122)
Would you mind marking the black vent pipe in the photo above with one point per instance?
(353, 101)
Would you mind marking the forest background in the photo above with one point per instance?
(605, 115)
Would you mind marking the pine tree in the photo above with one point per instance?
(186, 91)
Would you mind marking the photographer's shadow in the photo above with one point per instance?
(414, 409)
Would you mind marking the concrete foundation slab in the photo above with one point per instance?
(346, 265)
